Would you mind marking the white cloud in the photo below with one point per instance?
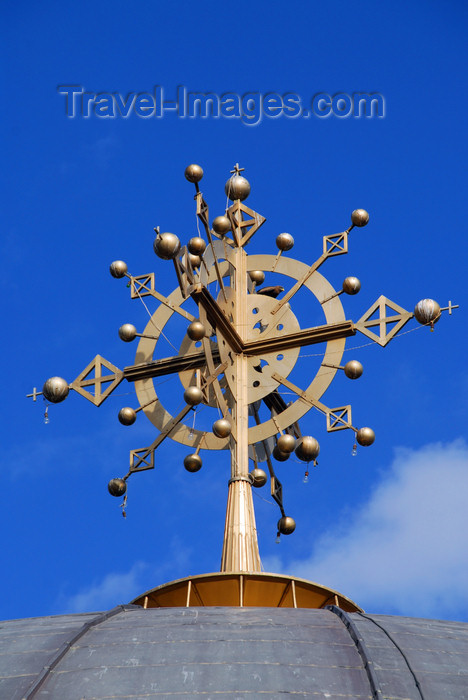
(405, 551)
(117, 588)
(114, 589)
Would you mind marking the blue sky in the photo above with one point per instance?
(387, 528)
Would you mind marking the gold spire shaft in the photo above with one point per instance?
(240, 546)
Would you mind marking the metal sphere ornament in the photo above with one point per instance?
(195, 260)
(127, 332)
(193, 395)
(257, 276)
(193, 463)
(196, 330)
(127, 415)
(222, 428)
(286, 443)
(307, 449)
(193, 173)
(55, 389)
(166, 246)
(118, 269)
(196, 245)
(427, 311)
(286, 525)
(353, 369)
(351, 285)
(360, 217)
(117, 487)
(258, 477)
(279, 455)
(365, 436)
(237, 187)
(284, 242)
(221, 225)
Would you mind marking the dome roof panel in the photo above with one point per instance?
(231, 652)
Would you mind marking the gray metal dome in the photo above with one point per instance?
(232, 653)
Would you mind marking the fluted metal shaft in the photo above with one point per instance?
(240, 546)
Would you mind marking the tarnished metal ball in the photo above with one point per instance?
(365, 436)
(127, 415)
(222, 428)
(117, 487)
(195, 260)
(196, 330)
(118, 268)
(193, 173)
(286, 525)
(353, 369)
(196, 245)
(221, 225)
(55, 389)
(258, 477)
(279, 455)
(193, 395)
(351, 285)
(360, 217)
(127, 332)
(284, 241)
(237, 187)
(307, 449)
(427, 311)
(286, 443)
(257, 276)
(192, 463)
(166, 246)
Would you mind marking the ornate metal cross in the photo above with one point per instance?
(239, 349)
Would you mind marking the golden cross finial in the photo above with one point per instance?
(237, 170)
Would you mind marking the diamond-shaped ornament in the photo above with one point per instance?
(90, 382)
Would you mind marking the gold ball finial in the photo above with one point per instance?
(307, 449)
(284, 242)
(360, 217)
(286, 443)
(196, 245)
(257, 276)
(221, 225)
(117, 487)
(222, 428)
(127, 415)
(118, 269)
(427, 311)
(258, 477)
(365, 436)
(193, 463)
(351, 285)
(279, 455)
(286, 525)
(55, 389)
(195, 260)
(193, 173)
(166, 246)
(237, 187)
(127, 332)
(196, 330)
(353, 369)
(193, 395)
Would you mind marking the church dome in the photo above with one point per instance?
(222, 653)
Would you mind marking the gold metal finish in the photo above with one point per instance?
(92, 387)
(254, 590)
(236, 354)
